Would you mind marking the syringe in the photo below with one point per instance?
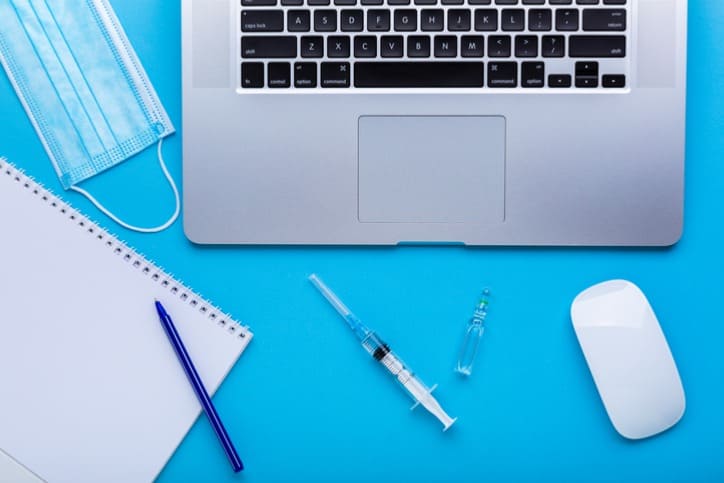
(381, 353)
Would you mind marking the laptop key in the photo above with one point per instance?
(335, 74)
(526, 46)
(262, 21)
(378, 20)
(271, 46)
(499, 46)
(279, 75)
(586, 81)
(458, 20)
(405, 20)
(312, 46)
(446, 46)
(432, 20)
(365, 46)
(325, 20)
(418, 74)
(604, 20)
(252, 75)
(472, 45)
(502, 74)
(611, 80)
(351, 20)
(305, 75)
(298, 21)
(540, 20)
(554, 45)
(391, 45)
(587, 68)
(418, 46)
(512, 19)
(566, 19)
(258, 3)
(597, 46)
(533, 74)
(559, 80)
(338, 46)
(486, 20)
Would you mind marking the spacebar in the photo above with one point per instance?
(418, 74)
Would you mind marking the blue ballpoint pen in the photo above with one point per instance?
(199, 388)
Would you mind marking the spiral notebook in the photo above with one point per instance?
(90, 388)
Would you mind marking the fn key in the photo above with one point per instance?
(252, 75)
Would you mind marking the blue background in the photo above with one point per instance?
(306, 404)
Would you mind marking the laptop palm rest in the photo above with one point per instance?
(431, 169)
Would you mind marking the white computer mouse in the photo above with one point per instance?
(629, 358)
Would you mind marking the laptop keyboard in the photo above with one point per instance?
(474, 45)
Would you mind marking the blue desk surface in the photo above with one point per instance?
(306, 404)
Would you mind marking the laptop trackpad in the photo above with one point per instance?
(431, 169)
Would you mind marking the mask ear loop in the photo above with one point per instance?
(113, 217)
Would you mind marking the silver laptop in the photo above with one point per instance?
(478, 122)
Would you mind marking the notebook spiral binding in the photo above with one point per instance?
(123, 250)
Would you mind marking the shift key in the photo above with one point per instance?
(268, 46)
(592, 46)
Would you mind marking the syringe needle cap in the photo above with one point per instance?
(329, 295)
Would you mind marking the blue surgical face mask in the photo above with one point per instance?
(83, 88)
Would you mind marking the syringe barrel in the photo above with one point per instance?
(375, 346)
(381, 352)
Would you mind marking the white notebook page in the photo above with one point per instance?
(90, 387)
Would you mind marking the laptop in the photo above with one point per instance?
(476, 122)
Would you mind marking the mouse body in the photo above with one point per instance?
(629, 358)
